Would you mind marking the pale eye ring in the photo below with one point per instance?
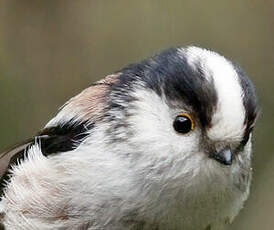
(183, 123)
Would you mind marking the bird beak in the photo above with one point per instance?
(224, 156)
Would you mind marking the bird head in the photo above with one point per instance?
(184, 104)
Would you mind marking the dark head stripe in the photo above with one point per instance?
(249, 99)
(169, 73)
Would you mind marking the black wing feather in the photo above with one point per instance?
(53, 140)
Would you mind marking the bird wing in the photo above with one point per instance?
(10, 157)
(65, 131)
(61, 138)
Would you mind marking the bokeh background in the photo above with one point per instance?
(50, 50)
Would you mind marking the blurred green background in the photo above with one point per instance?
(51, 50)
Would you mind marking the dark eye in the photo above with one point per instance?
(183, 123)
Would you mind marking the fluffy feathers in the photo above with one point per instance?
(130, 169)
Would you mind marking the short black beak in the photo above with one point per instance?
(224, 156)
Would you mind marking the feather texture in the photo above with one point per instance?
(111, 159)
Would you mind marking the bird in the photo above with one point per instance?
(161, 144)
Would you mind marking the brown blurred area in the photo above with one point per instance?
(50, 50)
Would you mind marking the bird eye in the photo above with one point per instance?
(183, 123)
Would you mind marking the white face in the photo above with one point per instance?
(152, 122)
(152, 119)
(178, 165)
